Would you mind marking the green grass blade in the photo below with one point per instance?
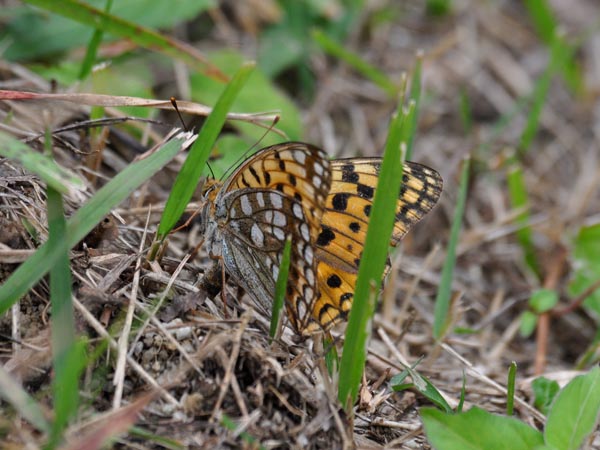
(540, 93)
(24, 404)
(92, 48)
(280, 286)
(442, 300)
(414, 98)
(55, 176)
(68, 369)
(517, 192)
(66, 392)
(360, 65)
(463, 393)
(510, 397)
(246, 437)
(543, 18)
(547, 26)
(465, 112)
(189, 176)
(162, 441)
(144, 37)
(84, 220)
(372, 263)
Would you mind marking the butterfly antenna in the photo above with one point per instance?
(212, 174)
(174, 103)
(245, 154)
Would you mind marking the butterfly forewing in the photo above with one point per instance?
(348, 207)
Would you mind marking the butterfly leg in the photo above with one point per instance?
(214, 280)
(211, 282)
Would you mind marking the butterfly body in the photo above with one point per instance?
(294, 190)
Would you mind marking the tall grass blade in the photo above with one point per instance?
(359, 64)
(280, 287)
(372, 263)
(415, 99)
(189, 175)
(92, 49)
(517, 192)
(12, 392)
(88, 216)
(442, 300)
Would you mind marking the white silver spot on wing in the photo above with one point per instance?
(304, 231)
(257, 235)
(308, 293)
(279, 233)
(278, 219)
(275, 270)
(300, 156)
(301, 309)
(245, 204)
(297, 210)
(319, 170)
(276, 200)
(310, 276)
(308, 254)
(260, 199)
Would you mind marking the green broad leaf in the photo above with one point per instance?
(587, 246)
(586, 260)
(477, 429)
(258, 91)
(35, 34)
(544, 391)
(528, 322)
(574, 413)
(57, 177)
(543, 300)
(279, 49)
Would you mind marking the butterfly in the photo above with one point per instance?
(293, 189)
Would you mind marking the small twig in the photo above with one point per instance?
(235, 352)
(471, 370)
(119, 376)
(543, 326)
(113, 344)
(576, 303)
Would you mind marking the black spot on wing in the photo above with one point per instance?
(348, 174)
(325, 237)
(340, 201)
(365, 191)
(334, 281)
